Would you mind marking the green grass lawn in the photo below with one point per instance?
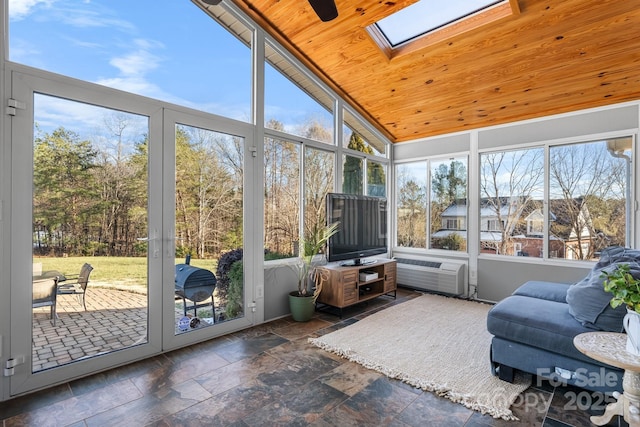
(116, 271)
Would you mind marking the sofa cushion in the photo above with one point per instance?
(544, 290)
(587, 299)
(536, 322)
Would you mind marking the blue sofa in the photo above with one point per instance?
(533, 329)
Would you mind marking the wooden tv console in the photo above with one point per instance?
(345, 287)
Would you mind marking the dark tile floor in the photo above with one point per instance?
(270, 375)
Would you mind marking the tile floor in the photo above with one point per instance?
(270, 375)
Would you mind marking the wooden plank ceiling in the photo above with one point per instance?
(554, 56)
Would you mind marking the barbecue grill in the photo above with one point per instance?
(196, 285)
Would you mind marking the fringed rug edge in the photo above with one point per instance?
(442, 391)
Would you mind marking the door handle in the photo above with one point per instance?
(153, 247)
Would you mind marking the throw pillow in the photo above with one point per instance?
(587, 299)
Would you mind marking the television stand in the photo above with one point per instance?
(349, 285)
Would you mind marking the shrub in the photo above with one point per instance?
(234, 296)
(224, 267)
(270, 256)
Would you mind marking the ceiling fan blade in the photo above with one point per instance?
(325, 9)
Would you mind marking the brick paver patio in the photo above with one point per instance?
(114, 320)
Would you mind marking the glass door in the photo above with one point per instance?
(205, 252)
(128, 229)
(90, 233)
(86, 247)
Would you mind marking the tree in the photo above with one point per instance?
(449, 183)
(122, 187)
(412, 211)
(352, 173)
(208, 191)
(318, 181)
(282, 195)
(313, 129)
(509, 182)
(65, 196)
(582, 176)
(376, 179)
(448, 186)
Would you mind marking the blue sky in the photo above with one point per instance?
(168, 49)
(164, 49)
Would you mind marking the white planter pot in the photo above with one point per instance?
(631, 325)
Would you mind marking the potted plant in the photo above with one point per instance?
(310, 280)
(626, 290)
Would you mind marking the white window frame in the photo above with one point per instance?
(546, 145)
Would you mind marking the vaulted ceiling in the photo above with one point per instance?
(548, 57)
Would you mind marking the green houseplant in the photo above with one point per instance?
(310, 279)
(626, 291)
(624, 287)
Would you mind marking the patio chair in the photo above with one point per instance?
(77, 284)
(44, 295)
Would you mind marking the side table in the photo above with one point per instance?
(610, 348)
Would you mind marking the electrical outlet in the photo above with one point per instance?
(259, 291)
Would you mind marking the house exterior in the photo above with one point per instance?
(568, 240)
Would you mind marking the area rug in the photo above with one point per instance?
(435, 343)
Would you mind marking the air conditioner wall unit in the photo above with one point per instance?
(432, 274)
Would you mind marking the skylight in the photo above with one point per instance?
(426, 16)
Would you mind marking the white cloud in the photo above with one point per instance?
(93, 17)
(133, 84)
(70, 13)
(55, 112)
(138, 62)
(84, 44)
(18, 9)
(133, 67)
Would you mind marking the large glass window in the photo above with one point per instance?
(442, 210)
(358, 137)
(511, 188)
(353, 170)
(588, 197)
(305, 111)
(116, 44)
(449, 204)
(586, 210)
(411, 210)
(318, 181)
(282, 197)
(352, 175)
(376, 179)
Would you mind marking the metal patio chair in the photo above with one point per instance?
(44, 295)
(77, 285)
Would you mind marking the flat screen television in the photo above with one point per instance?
(362, 229)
